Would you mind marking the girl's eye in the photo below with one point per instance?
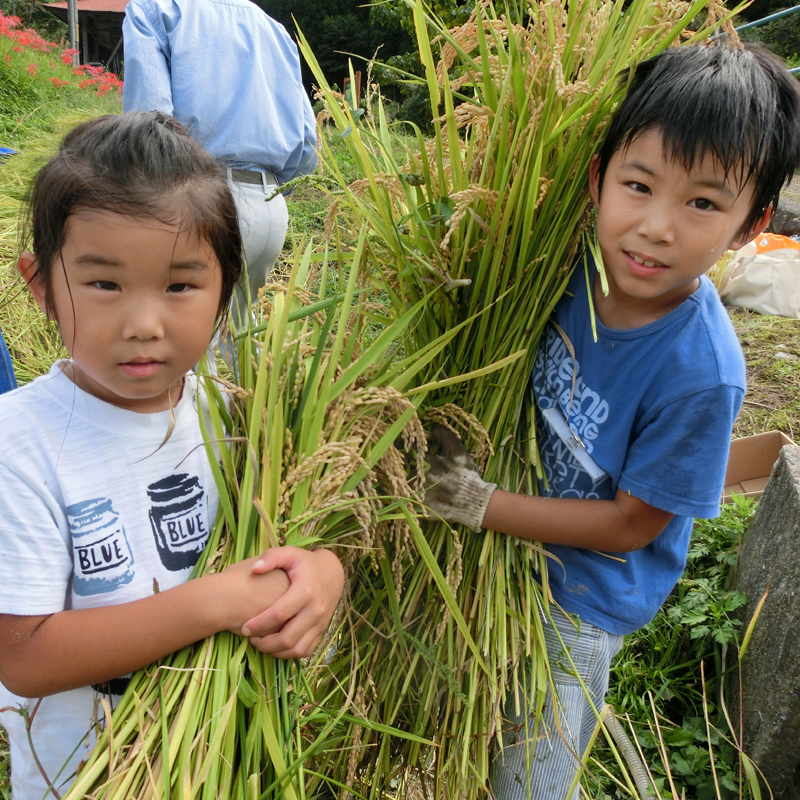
(106, 286)
(178, 288)
(703, 204)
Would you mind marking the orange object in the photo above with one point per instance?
(767, 242)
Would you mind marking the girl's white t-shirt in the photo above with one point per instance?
(96, 509)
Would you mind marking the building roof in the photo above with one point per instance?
(91, 5)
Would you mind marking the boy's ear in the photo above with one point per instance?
(28, 267)
(594, 179)
(755, 231)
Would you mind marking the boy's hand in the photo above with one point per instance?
(454, 489)
(293, 626)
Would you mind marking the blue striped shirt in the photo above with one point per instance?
(229, 73)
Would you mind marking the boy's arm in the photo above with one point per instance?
(45, 654)
(620, 525)
(456, 492)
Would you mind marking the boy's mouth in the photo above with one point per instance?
(645, 262)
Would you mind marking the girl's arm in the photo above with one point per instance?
(42, 655)
(293, 626)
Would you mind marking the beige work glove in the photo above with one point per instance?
(454, 489)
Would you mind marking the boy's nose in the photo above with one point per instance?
(657, 226)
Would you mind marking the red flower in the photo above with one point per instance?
(32, 68)
(8, 58)
(57, 82)
(66, 56)
(18, 49)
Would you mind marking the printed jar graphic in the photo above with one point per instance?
(102, 555)
(178, 519)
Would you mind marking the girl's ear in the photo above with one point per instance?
(755, 231)
(594, 179)
(28, 267)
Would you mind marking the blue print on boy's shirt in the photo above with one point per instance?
(558, 385)
(103, 560)
(178, 520)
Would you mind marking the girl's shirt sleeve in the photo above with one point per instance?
(35, 553)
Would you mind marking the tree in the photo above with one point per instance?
(337, 30)
(340, 29)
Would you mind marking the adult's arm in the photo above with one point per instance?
(308, 160)
(44, 654)
(148, 80)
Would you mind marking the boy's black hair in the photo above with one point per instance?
(142, 165)
(737, 102)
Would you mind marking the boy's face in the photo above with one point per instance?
(660, 227)
(136, 303)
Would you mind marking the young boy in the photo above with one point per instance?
(634, 428)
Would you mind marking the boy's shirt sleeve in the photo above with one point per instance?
(653, 406)
(677, 462)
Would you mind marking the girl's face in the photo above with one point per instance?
(136, 303)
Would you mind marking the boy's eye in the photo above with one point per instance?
(178, 288)
(638, 187)
(106, 286)
(703, 204)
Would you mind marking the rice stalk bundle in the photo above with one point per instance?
(480, 227)
(316, 446)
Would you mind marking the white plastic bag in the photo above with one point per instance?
(764, 276)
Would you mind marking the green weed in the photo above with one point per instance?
(5, 784)
(669, 677)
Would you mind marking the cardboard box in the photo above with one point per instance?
(750, 463)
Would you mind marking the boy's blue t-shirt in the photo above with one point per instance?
(654, 407)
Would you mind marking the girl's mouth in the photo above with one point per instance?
(140, 369)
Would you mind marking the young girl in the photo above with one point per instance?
(136, 249)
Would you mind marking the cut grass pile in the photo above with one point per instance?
(772, 351)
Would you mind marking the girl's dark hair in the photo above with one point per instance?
(140, 165)
(737, 102)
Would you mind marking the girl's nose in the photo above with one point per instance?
(143, 321)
